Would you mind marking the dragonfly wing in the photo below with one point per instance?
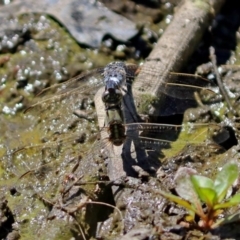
(165, 136)
(79, 80)
(183, 86)
(79, 86)
(151, 135)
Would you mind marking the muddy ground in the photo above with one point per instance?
(55, 179)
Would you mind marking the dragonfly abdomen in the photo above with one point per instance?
(117, 134)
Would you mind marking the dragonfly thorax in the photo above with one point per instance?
(112, 96)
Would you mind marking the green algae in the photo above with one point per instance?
(47, 150)
(190, 134)
(144, 104)
(203, 5)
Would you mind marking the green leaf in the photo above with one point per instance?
(185, 189)
(224, 179)
(177, 200)
(184, 186)
(202, 182)
(208, 196)
(204, 188)
(230, 203)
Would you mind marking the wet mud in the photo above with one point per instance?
(55, 181)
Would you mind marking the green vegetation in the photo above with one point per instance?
(194, 190)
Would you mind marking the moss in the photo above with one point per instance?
(189, 134)
(145, 103)
(202, 4)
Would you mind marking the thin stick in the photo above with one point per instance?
(219, 81)
(80, 228)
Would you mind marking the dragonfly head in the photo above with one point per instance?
(115, 75)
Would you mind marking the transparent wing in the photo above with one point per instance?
(180, 85)
(76, 86)
(159, 136)
(184, 85)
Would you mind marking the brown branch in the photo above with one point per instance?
(175, 46)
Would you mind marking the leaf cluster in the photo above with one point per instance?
(205, 197)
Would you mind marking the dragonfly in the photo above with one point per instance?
(60, 128)
(63, 134)
(117, 75)
(56, 110)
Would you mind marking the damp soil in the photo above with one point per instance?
(53, 173)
